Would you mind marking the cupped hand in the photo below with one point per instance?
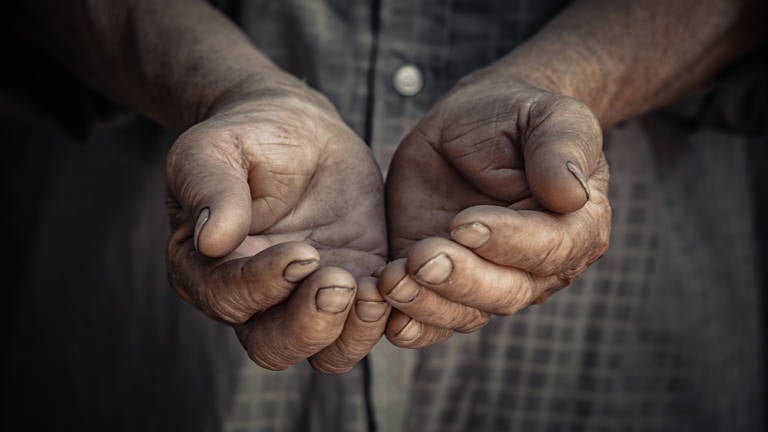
(277, 219)
(495, 200)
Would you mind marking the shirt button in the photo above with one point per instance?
(408, 80)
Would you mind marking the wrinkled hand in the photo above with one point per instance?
(496, 200)
(276, 208)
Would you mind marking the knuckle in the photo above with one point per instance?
(316, 335)
(508, 309)
(352, 351)
(546, 265)
(224, 308)
(599, 252)
(267, 361)
(513, 301)
(560, 282)
(604, 241)
(543, 297)
(560, 248)
(429, 338)
(327, 366)
(589, 248)
(477, 321)
(603, 237)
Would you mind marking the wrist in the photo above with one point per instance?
(268, 87)
(568, 74)
(625, 58)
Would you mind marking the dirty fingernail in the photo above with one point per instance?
(574, 169)
(201, 220)
(436, 270)
(376, 273)
(472, 235)
(370, 311)
(333, 299)
(298, 270)
(405, 291)
(410, 331)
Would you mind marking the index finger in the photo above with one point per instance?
(458, 274)
(538, 241)
(234, 290)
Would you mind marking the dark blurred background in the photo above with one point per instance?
(94, 337)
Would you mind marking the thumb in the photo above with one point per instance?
(226, 197)
(561, 149)
(223, 220)
(216, 199)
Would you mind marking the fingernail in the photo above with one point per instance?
(201, 220)
(472, 235)
(376, 273)
(298, 270)
(574, 169)
(410, 331)
(370, 311)
(436, 270)
(333, 299)
(405, 291)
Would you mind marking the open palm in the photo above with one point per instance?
(276, 208)
(495, 200)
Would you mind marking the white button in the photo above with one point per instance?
(408, 80)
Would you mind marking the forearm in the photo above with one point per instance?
(171, 60)
(624, 57)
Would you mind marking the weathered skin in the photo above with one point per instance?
(491, 183)
(268, 179)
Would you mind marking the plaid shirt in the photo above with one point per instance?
(660, 335)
